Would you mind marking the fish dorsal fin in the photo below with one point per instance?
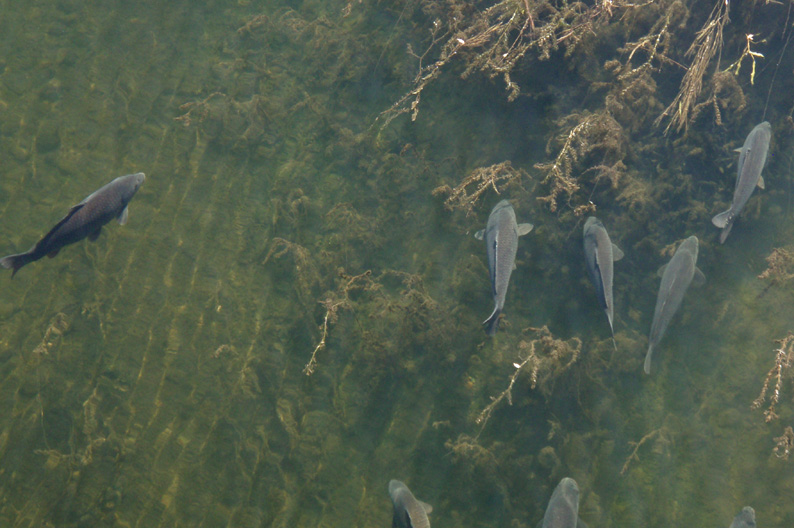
(761, 182)
(523, 229)
(661, 270)
(617, 254)
(479, 234)
(428, 509)
(62, 221)
(698, 279)
(400, 519)
(125, 214)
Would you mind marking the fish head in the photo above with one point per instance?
(591, 221)
(128, 185)
(137, 180)
(394, 487)
(569, 488)
(691, 245)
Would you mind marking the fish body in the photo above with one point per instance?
(501, 239)
(752, 158)
(563, 508)
(677, 275)
(744, 519)
(599, 255)
(408, 512)
(83, 220)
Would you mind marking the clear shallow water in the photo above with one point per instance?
(155, 377)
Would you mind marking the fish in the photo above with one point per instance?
(676, 275)
(501, 241)
(744, 519)
(599, 255)
(408, 512)
(563, 508)
(83, 220)
(752, 158)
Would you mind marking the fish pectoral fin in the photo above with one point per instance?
(698, 279)
(53, 253)
(523, 229)
(123, 216)
(661, 270)
(93, 236)
(428, 509)
(761, 182)
(617, 254)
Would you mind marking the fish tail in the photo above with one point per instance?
(648, 360)
(722, 219)
(14, 262)
(492, 323)
(725, 231)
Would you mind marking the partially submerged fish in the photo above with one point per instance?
(677, 275)
(563, 508)
(599, 254)
(83, 220)
(752, 157)
(501, 241)
(408, 512)
(744, 519)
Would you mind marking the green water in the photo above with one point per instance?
(156, 376)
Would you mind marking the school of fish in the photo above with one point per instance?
(501, 235)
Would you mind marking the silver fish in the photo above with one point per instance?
(744, 519)
(752, 157)
(599, 254)
(677, 275)
(501, 241)
(83, 220)
(408, 512)
(563, 508)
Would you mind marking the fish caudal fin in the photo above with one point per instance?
(722, 219)
(725, 231)
(492, 323)
(14, 262)
(648, 360)
(725, 222)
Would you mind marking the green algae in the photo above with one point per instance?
(157, 376)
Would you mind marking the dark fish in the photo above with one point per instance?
(501, 241)
(744, 519)
(83, 220)
(599, 254)
(563, 508)
(752, 157)
(408, 512)
(677, 275)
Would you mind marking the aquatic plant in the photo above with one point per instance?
(780, 267)
(784, 358)
(544, 358)
(465, 195)
(336, 301)
(707, 43)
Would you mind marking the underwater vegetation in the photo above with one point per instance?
(294, 318)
